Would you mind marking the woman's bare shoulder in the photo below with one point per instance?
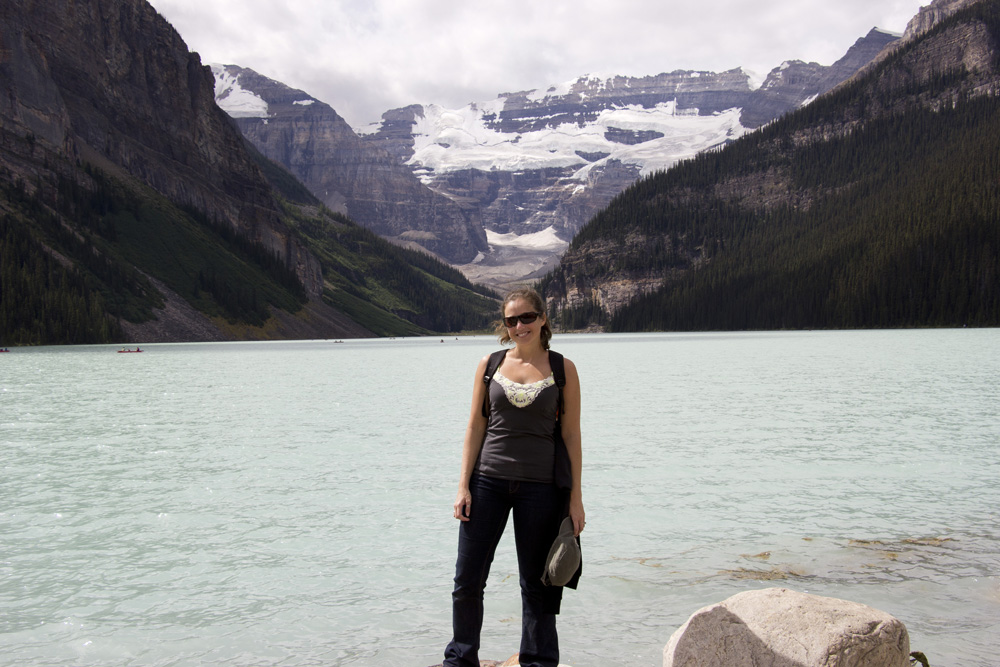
(570, 369)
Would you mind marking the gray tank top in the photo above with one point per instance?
(519, 442)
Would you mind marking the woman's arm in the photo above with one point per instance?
(570, 421)
(474, 433)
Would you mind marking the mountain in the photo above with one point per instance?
(537, 165)
(367, 184)
(498, 188)
(874, 206)
(143, 107)
(132, 208)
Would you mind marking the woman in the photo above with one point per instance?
(507, 465)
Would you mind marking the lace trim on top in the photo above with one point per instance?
(522, 395)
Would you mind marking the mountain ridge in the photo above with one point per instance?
(828, 217)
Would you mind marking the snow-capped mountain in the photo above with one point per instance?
(648, 138)
(539, 164)
(500, 187)
(346, 173)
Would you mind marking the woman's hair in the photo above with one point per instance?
(532, 297)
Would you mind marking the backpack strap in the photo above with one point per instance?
(559, 372)
(491, 368)
(562, 473)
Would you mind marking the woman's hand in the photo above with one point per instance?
(463, 504)
(474, 434)
(578, 515)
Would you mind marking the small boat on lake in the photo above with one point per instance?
(126, 350)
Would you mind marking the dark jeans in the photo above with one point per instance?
(537, 512)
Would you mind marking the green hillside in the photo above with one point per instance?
(92, 241)
(389, 290)
(76, 253)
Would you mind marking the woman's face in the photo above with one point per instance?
(522, 332)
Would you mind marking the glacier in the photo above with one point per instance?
(447, 140)
(234, 99)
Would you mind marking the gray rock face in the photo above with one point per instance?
(777, 627)
(706, 92)
(795, 82)
(131, 97)
(932, 14)
(360, 179)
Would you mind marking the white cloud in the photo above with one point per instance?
(364, 57)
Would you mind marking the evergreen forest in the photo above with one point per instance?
(78, 252)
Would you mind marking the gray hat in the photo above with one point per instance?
(564, 556)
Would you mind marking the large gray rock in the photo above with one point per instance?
(777, 627)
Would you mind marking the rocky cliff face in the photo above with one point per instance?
(926, 18)
(932, 14)
(550, 159)
(347, 174)
(796, 83)
(131, 98)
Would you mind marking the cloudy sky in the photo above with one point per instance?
(363, 57)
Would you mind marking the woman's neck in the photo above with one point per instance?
(528, 353)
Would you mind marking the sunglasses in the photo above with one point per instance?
(526, 318)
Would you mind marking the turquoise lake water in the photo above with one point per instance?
(290, 503)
